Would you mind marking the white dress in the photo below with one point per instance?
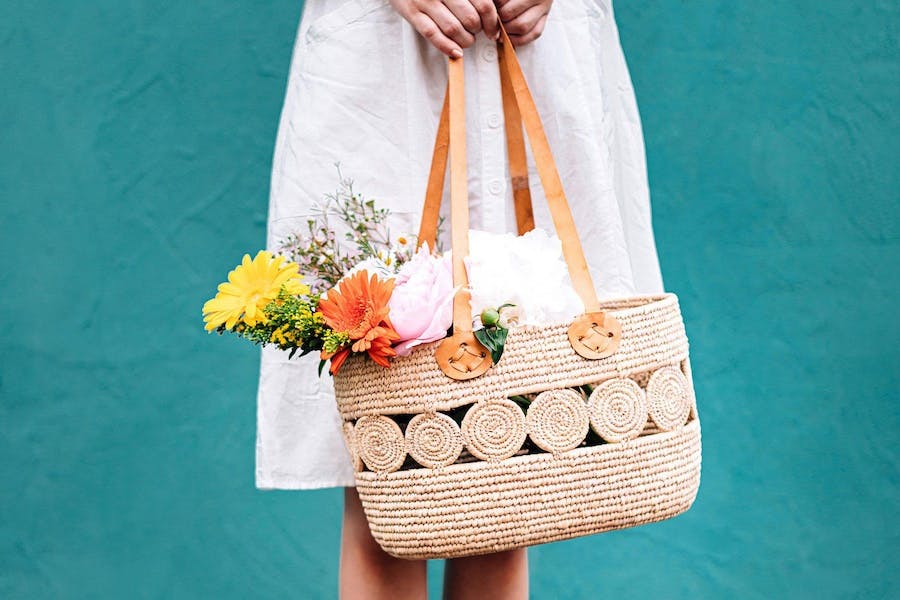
(365, 90)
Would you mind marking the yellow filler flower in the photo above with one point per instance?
(250, 287)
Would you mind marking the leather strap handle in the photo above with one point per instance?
(431, 211)
(563, 221)
(460, 356)
(594, 334)
(518, 165)
(518, 107)
(515, 149)
(459, 196)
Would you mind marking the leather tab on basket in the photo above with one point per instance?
(461, 356)
(595, 335)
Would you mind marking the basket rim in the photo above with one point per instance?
(607, 305)
(537, 357)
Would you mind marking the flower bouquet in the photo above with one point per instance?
(345, 285)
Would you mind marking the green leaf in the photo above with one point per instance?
(522, 401)
(493, 338)
(322, 364)
(501, 333)
(484, 338)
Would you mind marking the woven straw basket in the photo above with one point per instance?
(447, 465)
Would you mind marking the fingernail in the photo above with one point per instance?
(456, 53)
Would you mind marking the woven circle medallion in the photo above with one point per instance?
(618, 409)
(350, 440)
(494, 430)
(668, 398)
(557, 420)
(380, 443)
(434, 440)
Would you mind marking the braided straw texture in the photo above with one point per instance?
(493, 494)
(535, 359)
(476, 508)
(557, 420)
(433, 440)
(494, 430)
(350, 441)
(618, 409)
(380, 444)
(669, 398)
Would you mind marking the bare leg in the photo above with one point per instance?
(501, 576)
(368, 572)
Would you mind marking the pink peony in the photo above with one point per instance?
(421, 306)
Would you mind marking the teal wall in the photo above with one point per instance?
(135, 143)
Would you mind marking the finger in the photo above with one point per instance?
(535, 33)
(431, 32)
(465, 13)
(526, 21)
(449, 24)
(510, 9)
(490, 20)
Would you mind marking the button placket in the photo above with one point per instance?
(492, 140)
(489, 52)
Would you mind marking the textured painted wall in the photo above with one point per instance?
(135, 142)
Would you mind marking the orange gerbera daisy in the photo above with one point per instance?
(358, 307)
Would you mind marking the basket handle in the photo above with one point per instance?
(594, 334)
(515, 150)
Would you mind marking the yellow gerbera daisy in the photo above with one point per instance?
(250, 287)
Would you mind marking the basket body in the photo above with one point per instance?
(450, 468)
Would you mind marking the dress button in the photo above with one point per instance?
(489, 53)
(493, 121)
(495, 187)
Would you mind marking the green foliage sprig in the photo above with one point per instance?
(494, 331)
(345, 229)
(293, 324)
